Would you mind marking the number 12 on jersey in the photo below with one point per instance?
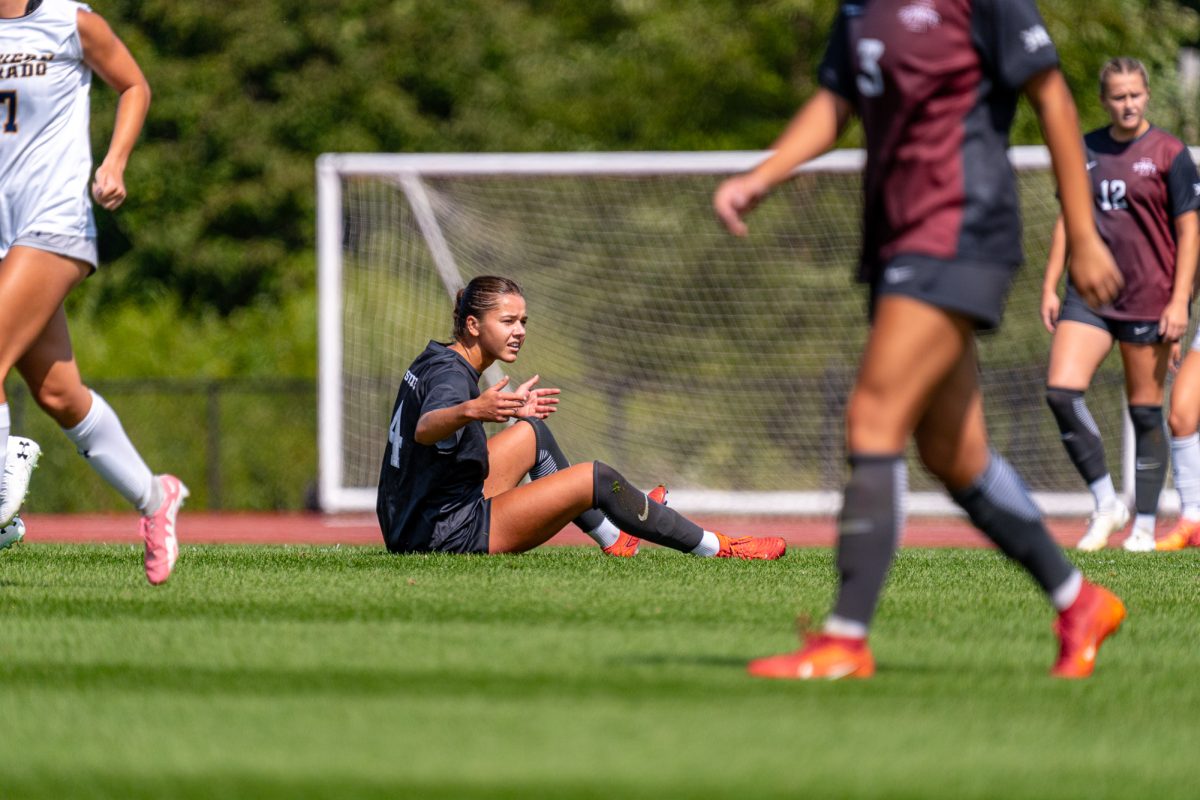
(8, 111)
(1112, 195)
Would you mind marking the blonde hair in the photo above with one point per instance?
(1122, 65)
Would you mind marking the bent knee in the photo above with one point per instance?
(65, 405)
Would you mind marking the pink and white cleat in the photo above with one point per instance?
(158, 529)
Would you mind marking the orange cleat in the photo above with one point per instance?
(766, 547)
(626, 546)
(823, 657)
(1094, 615)
(1186, 533)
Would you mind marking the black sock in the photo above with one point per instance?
(999, 505)
(868, 532)
(1080, 434)
(1150, 460)
(635, 513)
(549, 460)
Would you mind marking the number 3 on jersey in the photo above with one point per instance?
(394, 437)
(8, 111)
(870, 76)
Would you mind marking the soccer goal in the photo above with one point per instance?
(717, 365)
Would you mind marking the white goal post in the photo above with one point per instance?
(716, 365)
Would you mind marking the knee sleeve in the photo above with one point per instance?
(548, 459)
(1150, 461)
(1080, 434)
(635, 513)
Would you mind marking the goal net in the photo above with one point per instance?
(717, 365)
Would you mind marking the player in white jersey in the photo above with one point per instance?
(48, 51)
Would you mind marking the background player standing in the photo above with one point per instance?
(936, 84)
(445, 486)
(1145, 191)
(48, 238)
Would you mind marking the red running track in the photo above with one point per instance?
(361, 529)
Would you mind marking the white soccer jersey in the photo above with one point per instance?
(45, 151)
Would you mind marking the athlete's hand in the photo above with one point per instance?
(1050, 308)
(737, 197)
(1094, 272)
(496, 405)
(1176, 359)
(1174, 321)
(109, 187)
(539, 403)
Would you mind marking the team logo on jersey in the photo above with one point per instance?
(1196, 189)
(1035, 39)
(1145, 167)
(920, 17)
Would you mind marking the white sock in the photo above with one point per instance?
(1185, 460)
(1065, 595)
(709, 545)
(1144, 522)
(1103, 491)
(102, 441)
(606, 534)
(845, 628)
(5, 424)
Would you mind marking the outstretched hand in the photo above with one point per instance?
(539, 403)
(496, 405)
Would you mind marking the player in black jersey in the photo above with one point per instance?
(445, 486)
(936, 84)
(1145, 192)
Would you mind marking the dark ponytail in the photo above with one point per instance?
(482, 294)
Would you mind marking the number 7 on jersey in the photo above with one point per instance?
(8, 111)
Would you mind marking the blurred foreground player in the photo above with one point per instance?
(936, 85)
(446, 487)
(48, 244)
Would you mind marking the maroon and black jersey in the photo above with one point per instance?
(1139, 188)
(936, 84)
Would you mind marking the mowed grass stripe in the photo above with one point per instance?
(307, 672)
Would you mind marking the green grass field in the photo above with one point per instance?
(305, 672)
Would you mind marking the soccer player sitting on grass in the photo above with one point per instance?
(936, 85)
(446, 487)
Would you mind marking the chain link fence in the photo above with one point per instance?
(238, 443)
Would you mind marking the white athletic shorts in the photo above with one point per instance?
(82, 248)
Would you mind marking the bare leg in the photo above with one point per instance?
(527, 516)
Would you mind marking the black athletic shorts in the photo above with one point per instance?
(974, 289)
(468, 534)
(1076, 309)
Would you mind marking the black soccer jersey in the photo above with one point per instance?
(935, 83)
(1139, 188)
(431, 496)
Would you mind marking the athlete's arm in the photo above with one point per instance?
(1093, 271)
(492, 405)
(813, 131)
(111, 60)
(1056, 264)
(1187, 248)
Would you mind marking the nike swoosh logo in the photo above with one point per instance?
(1141, 329)
(645, 511)
(1091, 165)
